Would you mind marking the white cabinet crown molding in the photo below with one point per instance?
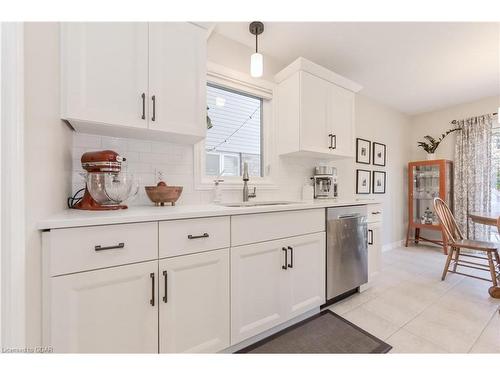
(319, 71)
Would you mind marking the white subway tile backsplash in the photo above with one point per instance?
(176, 162)
(86, 140)
(138, 146)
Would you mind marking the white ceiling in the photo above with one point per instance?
(412, 67)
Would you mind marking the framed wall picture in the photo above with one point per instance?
(379, 154)
(363, 151)
(363, 181)
(378, 182)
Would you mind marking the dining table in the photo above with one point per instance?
(490, 218)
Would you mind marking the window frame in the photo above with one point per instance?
(223, 77)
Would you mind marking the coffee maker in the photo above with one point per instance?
(325, 182)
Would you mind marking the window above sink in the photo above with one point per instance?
(240, 109)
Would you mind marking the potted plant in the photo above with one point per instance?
(431, 144)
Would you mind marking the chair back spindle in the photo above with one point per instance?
(448, 224)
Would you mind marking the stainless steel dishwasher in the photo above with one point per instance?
(346, 251)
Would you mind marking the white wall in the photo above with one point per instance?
(376, 122)
(47, 156)
(436, 122)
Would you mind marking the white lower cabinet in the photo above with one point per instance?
(111, 310)
(194, 303)
(257, 289)
(374, 250)
(307, 275)
(274, 281)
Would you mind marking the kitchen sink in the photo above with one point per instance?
(257, 203)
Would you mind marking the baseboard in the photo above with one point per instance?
(392, 245)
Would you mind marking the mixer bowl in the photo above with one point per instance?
(111, 188)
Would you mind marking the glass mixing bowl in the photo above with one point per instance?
(111, 188)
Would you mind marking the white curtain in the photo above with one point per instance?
(473, 173)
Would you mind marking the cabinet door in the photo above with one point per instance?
(306, 273)
(106, 311)
(374, 250)
(342, 120)
(194, 307)
(314, 115)
(177, 78)
(104, 69)
(258, 289)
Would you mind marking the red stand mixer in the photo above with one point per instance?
(107, 186)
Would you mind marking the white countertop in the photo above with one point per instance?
(80, 218)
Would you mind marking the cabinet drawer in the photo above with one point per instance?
(375, 213)
(82, 249)
(180, 237)
(270, 226)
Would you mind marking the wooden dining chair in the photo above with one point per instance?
(455, 242)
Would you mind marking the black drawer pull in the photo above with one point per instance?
(121, 245)
(370, 237)
(152, 300)
(143, 96)
(376, 213)
(204, 235)
(285, 266)
(166, 286)
(290, 265)
(153, 98)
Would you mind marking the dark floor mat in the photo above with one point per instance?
(325, 332)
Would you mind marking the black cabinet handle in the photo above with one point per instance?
(153, 98)
(370, 237)
(166, 285)
(204, 235)
(376, 213)
(121, 245)
(285, 266)
(152, 300)
(143, 96)
(290, 265)
(332, 143)
(331, 137)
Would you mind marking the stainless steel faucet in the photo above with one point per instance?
(246, 194)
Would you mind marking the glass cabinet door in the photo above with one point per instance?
(426, 182)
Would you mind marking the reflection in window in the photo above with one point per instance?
(236, 133)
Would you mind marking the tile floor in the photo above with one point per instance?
(409, 307)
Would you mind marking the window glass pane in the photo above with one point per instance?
(231, 165)
(236, 133)
(212, 164)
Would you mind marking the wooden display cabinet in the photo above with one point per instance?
(427, 180)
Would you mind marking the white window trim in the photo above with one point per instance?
(231, 79)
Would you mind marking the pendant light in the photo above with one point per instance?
(256, 60)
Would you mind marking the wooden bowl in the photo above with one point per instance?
(162, 194)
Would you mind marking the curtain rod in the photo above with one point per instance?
(491, 114)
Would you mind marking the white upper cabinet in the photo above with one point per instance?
(135, 79)
(177, 61)
(315, 111)
(104, 69)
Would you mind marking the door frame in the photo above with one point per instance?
(12, 218)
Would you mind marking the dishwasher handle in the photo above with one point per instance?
(349, 216)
